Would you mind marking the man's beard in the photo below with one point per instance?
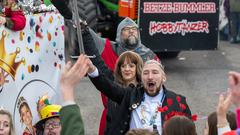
(131, 42)
(155, 94)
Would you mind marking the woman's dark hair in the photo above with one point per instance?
(179, 125)
(212, 122)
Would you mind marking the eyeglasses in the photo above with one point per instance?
(52, 125)
(130, 28)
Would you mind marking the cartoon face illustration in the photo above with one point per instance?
(26, 108)
(25, 116)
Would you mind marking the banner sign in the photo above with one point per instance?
(30, 61)
(179, 25)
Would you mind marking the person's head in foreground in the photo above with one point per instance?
(179, 125)
(50, 117)
(140, 132)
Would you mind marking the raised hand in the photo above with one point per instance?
(222, 109)
(234, 85)
(71, 76)
(92, 68)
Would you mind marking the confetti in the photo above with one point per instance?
(37, 46)
(60, 56)
(32, 23)
(29, 69)
(31, 50)
(29, 39)
(50, 19)
(40, 19)
(32, 68)
(21, 36)
(54, 44)
(36, 68)
(49, 36)
(38, 32)
(23, 77)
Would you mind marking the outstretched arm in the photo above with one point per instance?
(62, 6)
(222, 109)
(99, 41)
(93, 44)
(234, 85)
(65, 9)
(112, 90)
(224, 104)
(91, 49)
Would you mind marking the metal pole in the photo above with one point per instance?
(78, 25)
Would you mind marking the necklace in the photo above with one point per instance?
(154, 116)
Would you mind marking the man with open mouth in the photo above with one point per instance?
(147, 106)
